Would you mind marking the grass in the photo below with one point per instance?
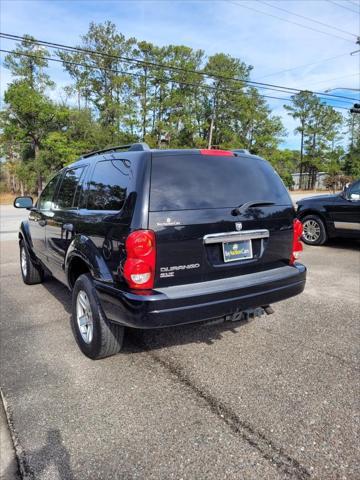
(7, 198)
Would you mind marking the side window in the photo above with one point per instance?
(354, 191)
(68, 187)
(46, 198)
(109, 184)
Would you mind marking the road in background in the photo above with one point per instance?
(298, 196)
(10, 219)
(274, 398)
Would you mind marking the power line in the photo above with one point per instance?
(157, 79)
(357, 5)
(290, 21)
(168, 80)
(342, 6)
(304, 66)
(308, 18)
(337, 78)
(68, 48)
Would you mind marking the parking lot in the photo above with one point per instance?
(273, 398)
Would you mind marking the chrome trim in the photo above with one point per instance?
(236, 236)
(347, 225)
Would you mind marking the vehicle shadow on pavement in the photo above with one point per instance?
(141, 340)
(157, 339)
(59, 291)
(52, 454)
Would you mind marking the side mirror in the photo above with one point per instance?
(23, 202)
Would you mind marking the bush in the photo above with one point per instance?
(336, 182)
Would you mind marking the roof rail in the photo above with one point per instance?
(133, 147)
(241, 150)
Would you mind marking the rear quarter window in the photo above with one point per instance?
(202, 181)
(110, 185)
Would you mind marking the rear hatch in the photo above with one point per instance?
(204, 229)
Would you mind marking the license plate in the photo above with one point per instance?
(241, 250)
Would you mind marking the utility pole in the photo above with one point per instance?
(211, 131)
(355, 111)
(212, 121)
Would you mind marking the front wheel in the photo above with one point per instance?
(95, 335)
(314, 231)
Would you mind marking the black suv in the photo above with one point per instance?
(328, 216)
(153, 238)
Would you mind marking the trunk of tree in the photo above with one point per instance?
(39, 178)
(13, 184)
(301, 158)
(313, 168)
(211, 131)
(144, 106)
(159, 117)
(154, 112)
(250, 141)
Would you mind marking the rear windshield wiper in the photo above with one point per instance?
(242, 208)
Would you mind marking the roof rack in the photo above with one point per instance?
(134, 147)
(241, 150)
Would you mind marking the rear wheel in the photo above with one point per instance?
(95, 335)
(31, 273)
(314, 232)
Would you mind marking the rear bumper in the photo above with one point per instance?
(200, 301)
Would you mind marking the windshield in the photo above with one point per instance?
(202, 181)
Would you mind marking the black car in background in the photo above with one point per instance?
(152, 238)
(328, 216)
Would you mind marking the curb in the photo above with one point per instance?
(12, 459)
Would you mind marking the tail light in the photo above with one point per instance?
(139, 267)
(297, 245)
(217, 153)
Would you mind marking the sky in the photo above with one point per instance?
(304, 44)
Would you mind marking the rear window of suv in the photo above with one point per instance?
(202, 181)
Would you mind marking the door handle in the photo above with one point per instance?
(42, 223)
(68, 227)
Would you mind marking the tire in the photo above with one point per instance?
(314, 231)
(31, 273)
(95, 335)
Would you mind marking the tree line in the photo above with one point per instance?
(114, 99)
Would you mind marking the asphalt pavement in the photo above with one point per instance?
(273, 398)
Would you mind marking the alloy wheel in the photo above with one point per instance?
(84, 317)
(23, 261)
(311, 231)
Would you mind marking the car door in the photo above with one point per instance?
(40, 215)
(61, 226)
(345, 212)
(109, 205)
